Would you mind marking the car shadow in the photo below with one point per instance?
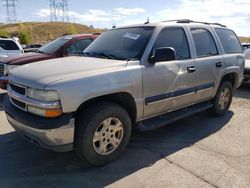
(243, 92)
(25, 165)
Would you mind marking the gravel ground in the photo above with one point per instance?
(198, 151)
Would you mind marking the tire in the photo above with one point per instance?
(222, 100)
(111, 135)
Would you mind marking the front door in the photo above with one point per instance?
(166, 84)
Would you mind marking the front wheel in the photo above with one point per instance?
(102, 133)
(223, 99)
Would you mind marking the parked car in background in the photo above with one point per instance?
(71, 45)
(245, 45)
(247, 67)
(9, 47)
(32, 48)
(141, 76)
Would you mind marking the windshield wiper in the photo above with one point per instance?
(94, 54)
(102, 54)
(132, 59)
(39, 51)
(105, 55)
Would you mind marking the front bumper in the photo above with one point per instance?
(56, 133)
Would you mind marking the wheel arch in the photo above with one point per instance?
(124, 99)
(232, 77)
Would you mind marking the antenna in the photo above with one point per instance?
(147, 22)
(59, 10)
(11, 15)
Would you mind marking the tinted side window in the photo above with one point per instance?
(79, 46)
(229, 41)
(8, 45)
(175, 38)
(204, 42)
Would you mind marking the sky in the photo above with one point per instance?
(235, 14)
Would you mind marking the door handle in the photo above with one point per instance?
(219, 64)
(191, 69)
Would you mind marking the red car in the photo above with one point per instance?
(60, 47)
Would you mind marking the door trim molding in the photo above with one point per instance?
(178, 93)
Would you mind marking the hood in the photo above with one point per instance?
(41, 74)
(26, 58)
(247, 63)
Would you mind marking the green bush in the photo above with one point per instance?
(4, 33)
(71, 30)
(24, 38)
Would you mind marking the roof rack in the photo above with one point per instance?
(192, 21)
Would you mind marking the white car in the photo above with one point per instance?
(9, 47)
(245, 45)
(247, 66)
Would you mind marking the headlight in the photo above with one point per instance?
(43, 95)
(9, 68)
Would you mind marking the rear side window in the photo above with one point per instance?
(8, 45)
(204, 42)
(229, 41)
(78, 47)
(175, 38)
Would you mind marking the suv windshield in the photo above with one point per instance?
(121, 44)
(54, 45)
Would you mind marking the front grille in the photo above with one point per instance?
(17, 89)
(1, 69)
(18, 103)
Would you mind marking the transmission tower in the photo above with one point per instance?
(11, 15)
(65, 10)
(59, 10)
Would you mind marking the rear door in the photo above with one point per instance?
(208, 62)
(233, 53)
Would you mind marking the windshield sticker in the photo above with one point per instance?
(133, 36)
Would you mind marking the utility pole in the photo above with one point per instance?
(59, 10)
(11, 15)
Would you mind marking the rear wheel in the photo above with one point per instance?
(223, 99)
(102, 133)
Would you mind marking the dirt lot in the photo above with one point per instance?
(198, 151)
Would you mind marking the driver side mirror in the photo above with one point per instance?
(163, 54)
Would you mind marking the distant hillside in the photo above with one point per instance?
(42, 32)
(244, 39)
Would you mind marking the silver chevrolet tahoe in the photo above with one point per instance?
(135, 77)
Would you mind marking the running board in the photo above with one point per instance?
(162, 120)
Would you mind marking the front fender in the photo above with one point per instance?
(76, 91)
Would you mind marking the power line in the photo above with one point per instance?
(59, 10)
(11, 14)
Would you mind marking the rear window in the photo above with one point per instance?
(229, 41)
(8, 45)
